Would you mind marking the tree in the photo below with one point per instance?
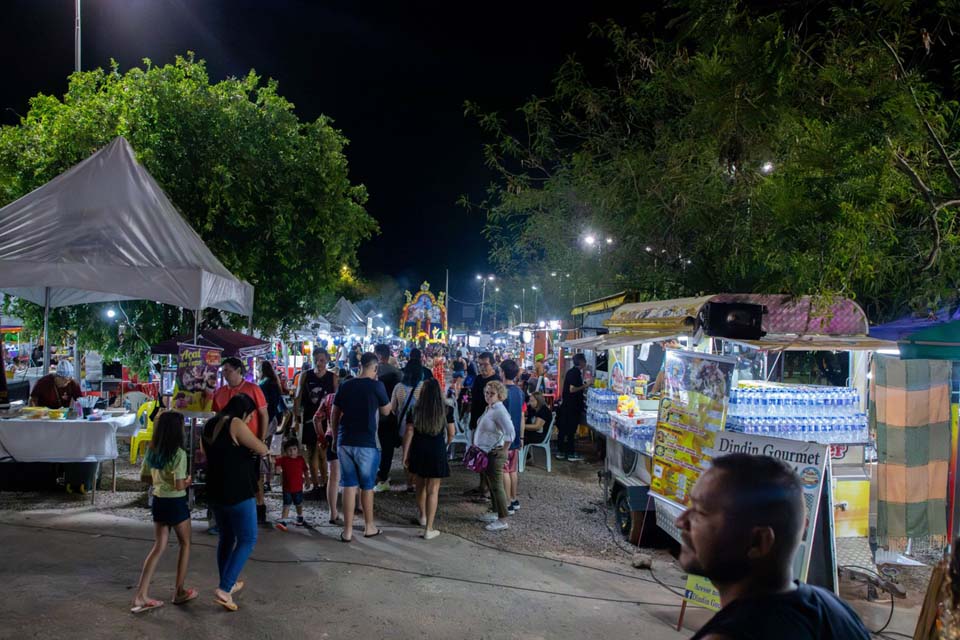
(744, 149)
(269, 194)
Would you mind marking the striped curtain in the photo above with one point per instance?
(910, 412)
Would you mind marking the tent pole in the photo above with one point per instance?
(250, 324)
(46, 322)
(196, 325)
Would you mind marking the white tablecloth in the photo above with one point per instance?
(59, 440)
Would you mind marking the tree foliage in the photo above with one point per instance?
(269, 194)
(804, 149)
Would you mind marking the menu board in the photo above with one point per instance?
(197, 369)
(692, 411)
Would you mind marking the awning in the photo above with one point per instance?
(803, 315)
(604, 304)
(816, 343)
(620, 339)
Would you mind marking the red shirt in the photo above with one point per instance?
(293, 470)
(222, 396)
(45, 393)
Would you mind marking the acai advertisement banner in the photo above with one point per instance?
(197, 369)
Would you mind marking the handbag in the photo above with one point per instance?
(476, 459)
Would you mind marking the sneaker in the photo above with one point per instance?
(575, 457)
(511, 511)
(300, 522)
(560, 456)
(380, 487)
(488, 517)
(515, 505)
(430, 535)
(496, 525)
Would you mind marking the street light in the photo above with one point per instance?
(111, 314)
(590, 239)
(483, 295)
(535, 290)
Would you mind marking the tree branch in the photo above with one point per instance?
(951, 168)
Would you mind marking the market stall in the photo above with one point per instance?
(757, 406)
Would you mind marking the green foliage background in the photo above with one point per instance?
(269, 194)
(663, 148)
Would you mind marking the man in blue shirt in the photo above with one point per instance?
(356, 410)
(514, 404)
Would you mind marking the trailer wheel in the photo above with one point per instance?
(624, 515)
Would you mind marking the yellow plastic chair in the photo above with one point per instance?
(145, 434)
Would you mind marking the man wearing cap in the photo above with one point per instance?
(56, 390)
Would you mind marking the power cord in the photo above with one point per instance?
(886, 624)
(371, 565)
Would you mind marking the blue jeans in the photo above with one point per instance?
(358, 466)
(238, 535)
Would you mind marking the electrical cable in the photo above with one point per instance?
(892, 598)
(370, 565)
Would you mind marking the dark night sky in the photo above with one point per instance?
(392, 75)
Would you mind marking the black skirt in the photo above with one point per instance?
(428, 455)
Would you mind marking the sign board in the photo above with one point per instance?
(811, 462)
(701, 592)
(197, 369)
(692, 411)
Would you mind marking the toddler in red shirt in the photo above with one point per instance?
(294, 471)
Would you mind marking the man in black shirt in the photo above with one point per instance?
(573, 406)
(314, 386)
(389, 430)
(741, 531)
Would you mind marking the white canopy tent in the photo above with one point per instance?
(104, 230)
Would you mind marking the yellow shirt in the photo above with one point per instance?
(164, 480)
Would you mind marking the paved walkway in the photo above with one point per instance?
(73, 575)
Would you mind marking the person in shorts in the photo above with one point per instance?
(295, 473)
(315, 385)
(356, 410)
(514, 404)
(165, 467)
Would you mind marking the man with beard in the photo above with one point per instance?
(741, 531)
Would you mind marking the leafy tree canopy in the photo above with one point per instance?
(269, 194)
(802, 149)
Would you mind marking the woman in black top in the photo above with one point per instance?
(429, 431)
(231, 450)
(538, 419)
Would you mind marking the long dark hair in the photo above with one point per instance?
(167, 439)
(267, 371)
(239, 406)
(430, 414)
(413, 371)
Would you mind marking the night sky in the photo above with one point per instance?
(392, 75)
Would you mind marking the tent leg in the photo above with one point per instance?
(46, 322)
(250, 324)
(196, 325)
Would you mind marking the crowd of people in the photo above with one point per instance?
(741, 530)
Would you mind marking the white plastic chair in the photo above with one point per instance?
(461, 434)
(545, 445)
(135, 398)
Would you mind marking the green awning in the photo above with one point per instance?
(939, 342)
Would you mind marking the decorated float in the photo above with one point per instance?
(424, 317)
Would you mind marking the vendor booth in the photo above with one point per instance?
(758, 359)
(103, 231)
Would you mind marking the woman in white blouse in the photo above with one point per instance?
(493, 436)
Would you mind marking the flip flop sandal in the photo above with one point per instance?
(342, 539)
(373, 535)
(146, 606)
(237, 587)
(188, 595)
(229, 606)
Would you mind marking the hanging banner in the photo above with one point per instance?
(197, 369)
(701, 592)
(692, 411)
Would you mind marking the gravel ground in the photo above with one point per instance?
(561, 515)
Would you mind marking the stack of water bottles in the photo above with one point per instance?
(635, 431)
(599, 403)
(828, 415)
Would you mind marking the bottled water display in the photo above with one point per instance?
(635, 431)
(599, 403)
(829, 415)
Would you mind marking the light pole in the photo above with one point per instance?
(535, 289)
(496, 290)
(483, 296)
(516, 306)
(76, 38)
